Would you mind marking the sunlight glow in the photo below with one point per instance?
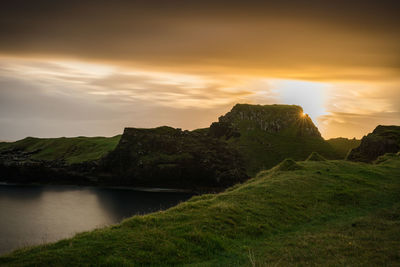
(311, 96)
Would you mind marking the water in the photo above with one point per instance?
(31, 215)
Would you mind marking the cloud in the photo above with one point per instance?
(355, 109)
(355, 125)
(319, 40)
(73, 98)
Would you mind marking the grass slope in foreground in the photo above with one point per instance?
(71, 150)
(307, 213)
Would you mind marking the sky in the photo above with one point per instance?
(73, 68)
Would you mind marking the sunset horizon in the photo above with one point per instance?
(74, 68)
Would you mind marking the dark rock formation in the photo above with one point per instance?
(284, 119)
(171, 157)
(384, 139)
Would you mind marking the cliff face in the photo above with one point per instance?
(266, 135)
(384, 139)
(171, 157)
(286, 120)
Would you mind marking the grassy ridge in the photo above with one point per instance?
(322, 212)
(72, 150)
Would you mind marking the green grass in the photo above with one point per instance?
(322, 213)
(267, 134)
(342, 146)
(262, 150)
(72, 150)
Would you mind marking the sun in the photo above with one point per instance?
(309, 95)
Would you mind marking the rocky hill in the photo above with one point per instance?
(384, 139)
(274, 119)
(267, 134)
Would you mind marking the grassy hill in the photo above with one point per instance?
(72, 150)
(299, 213)
(342, 146)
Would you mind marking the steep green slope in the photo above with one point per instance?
(325, 212)
(71, 150)
(267, 134)
(342, 146)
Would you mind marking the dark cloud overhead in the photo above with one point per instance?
(268, 37)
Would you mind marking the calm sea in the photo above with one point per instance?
(31, 215)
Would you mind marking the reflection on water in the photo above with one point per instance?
(39, 214)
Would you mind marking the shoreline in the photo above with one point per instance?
(133, 188)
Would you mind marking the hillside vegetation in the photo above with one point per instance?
(299, 213)
(70, 150)
(267, 134)
(343, 146)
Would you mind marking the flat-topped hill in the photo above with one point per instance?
(169, 157)
(267, 134)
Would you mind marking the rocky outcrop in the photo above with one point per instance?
(171, 157)
(267, 134)
(283, 119)
(384, 139)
